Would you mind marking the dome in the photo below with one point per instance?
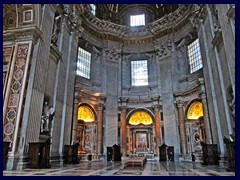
(117, 13)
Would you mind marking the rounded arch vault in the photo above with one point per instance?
(85, 113)
(140, 117)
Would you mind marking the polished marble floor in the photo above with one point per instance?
(151, 168)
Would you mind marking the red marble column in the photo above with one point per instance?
(100, 128)
(158, 132)
(181, 127)
(124, 130)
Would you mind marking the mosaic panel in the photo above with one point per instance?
(15, 92)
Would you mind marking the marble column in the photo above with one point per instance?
(100, 128)
(128, 140)
(205, 113)
(181, 127)
(157, 128)
(153, 136)
(75, 118)
(149, 142)
(133, 141)
(124, 128)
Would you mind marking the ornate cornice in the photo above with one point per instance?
(112, 54)
(106, 30)
(163, 50)
(188, 91)
(22, 34)
(199, 12)
(72, 19)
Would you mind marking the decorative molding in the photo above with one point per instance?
(100, 107)
(124, 108)
(23, 34)
(28, 16)
(163, 50)
(180, 103)
(73, 20)
(113, 55)
(199, 14)
(127, 57)
(9, 16)
(106, 30)
(191, 89)
(156, 108)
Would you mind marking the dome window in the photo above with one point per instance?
(137, 20)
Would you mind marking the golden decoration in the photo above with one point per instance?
(195, 111)
(140, 117)
(85, 114)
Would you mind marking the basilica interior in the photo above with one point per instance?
(127, 83)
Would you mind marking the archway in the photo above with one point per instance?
(194, 125)
(140, 132)
(86, 129)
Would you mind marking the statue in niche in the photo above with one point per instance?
(46, 116)
(197, 143)
(56, 29)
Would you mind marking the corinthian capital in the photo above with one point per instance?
(199, 15)
(180, 103)
(156, 108)
(112, 54)
(100, 106)
(124, 108)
